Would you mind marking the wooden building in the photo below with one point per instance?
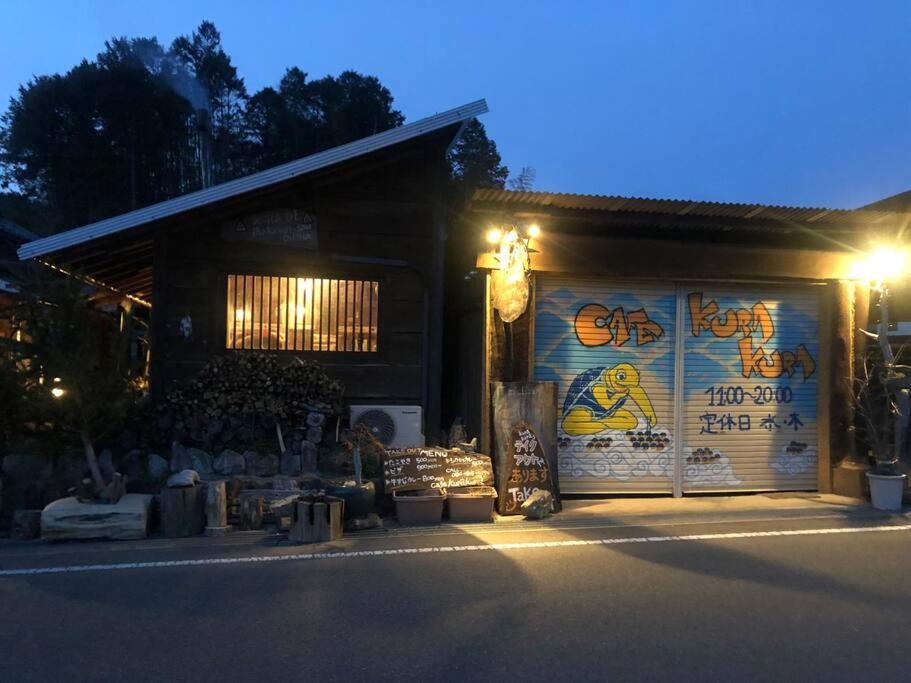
(697, 346)
(337, 257)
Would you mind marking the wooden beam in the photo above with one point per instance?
(824, 389)
(660, 259)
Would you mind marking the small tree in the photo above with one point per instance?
(525, 181)
(72, 360)
(883, 394)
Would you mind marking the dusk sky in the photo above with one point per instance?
(804, 103)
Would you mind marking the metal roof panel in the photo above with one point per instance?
(271, 176)
(681, 207)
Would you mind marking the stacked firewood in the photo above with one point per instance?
(255, 383)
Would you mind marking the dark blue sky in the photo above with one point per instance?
(805, 103)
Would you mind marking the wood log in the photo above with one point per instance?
(182, 511)
(317, 522)
(320, 521)
(251, 513)
(336, 520)
(301, 523)
(216, 509)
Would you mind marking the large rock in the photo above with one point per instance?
(201, 461)
(250, 458)
(538, 505)
(26, 524)
(133, 465)
(370, 521)
(180, 458)
(265, 466)
(281, 507)
(158, 467)
(68, 519)
(291, 464)
(308, 456)
(284, 483)
(127, 440)
(181, 479)
(229, 462)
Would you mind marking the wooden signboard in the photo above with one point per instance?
(282, 227)
(419, 469)
(525, 469)
(525, 441)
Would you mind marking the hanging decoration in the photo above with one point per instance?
(510, 283)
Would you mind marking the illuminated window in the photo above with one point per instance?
(302, 314)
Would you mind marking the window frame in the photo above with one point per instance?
(350, 274)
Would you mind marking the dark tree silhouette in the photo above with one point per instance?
(141, 124)
(475, 159)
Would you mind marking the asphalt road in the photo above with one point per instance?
(582, 602)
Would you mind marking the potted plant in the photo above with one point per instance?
(883, 400)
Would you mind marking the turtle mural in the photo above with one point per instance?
(598, 398)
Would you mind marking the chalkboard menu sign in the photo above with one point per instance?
(418, 469)
(525, 469)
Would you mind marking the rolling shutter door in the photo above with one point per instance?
(750, 376)
(610, 348)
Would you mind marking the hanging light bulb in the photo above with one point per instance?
(493, 236)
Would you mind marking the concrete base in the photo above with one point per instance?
(849, 478)
(217, 530)
(68, 519)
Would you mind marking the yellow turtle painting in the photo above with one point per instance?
(596, 399)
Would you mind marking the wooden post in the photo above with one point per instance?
(827, 383)
(508, 354)
(182, 511)
(216, 509)
(300, 523)
(336, 520)
(852, 311)
(251, 513)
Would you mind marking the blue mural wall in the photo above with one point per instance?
(749, 385)
(610, 348)
(750, 388)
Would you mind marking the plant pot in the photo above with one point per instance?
(358, 499)
(886, 491)
(419, 508)
(471, 503)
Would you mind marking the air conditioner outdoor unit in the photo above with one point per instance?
(394, 426)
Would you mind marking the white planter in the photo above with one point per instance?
(886, 491)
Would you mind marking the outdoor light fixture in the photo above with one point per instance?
(534, 230)
(880, 264)
(493, 236)
(509, 287)
(57, 392)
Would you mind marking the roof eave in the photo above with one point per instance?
(239, 186)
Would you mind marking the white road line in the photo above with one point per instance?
(533, 545)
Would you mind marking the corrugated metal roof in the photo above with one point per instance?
(514, 200)
(248, 183)
(16, 231)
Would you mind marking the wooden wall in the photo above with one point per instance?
(381, 224)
